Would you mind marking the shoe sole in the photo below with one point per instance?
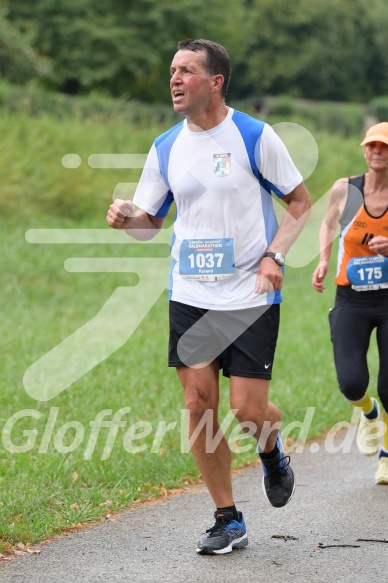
(238, 543)
(265, 494)
(369, 453)
(382, 481)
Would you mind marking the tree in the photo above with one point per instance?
(320, 50)
(326, 49)
(119, 47)
(18, 60)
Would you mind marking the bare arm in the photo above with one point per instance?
(328, 230)
(270, 275)
(379, 245)
(136, 223)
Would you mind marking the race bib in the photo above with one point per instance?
(368, 273)
(206, 259)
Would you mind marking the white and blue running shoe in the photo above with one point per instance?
(226, 534)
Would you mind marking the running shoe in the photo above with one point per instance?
(226, 534)
(368, 433)
(278, 478)
(381, 476)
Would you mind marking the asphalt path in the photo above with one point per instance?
(334, 530)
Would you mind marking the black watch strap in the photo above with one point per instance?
(278, 257)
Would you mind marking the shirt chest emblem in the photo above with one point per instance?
(222, 164)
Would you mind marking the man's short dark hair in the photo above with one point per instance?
(217, 59)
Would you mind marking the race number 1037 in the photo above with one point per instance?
(206, 259)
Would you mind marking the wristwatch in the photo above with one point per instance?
(278, 257)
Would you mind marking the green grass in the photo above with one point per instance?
(44, 491)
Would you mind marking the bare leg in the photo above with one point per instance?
(250, 397)
(201, 390)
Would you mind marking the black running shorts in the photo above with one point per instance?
(243, 341)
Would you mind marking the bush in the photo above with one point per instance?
(379, 108)
(346, 119)
(36, 102)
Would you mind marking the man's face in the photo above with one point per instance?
(190, 84)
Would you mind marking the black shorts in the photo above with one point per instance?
(243, 341)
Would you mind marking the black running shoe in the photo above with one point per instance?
(225, 535)
(278, 478)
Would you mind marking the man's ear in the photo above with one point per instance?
(218, 81)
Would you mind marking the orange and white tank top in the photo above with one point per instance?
(358, 227)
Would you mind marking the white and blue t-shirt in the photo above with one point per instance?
(221, 181)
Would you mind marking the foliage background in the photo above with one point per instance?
(325, 49)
